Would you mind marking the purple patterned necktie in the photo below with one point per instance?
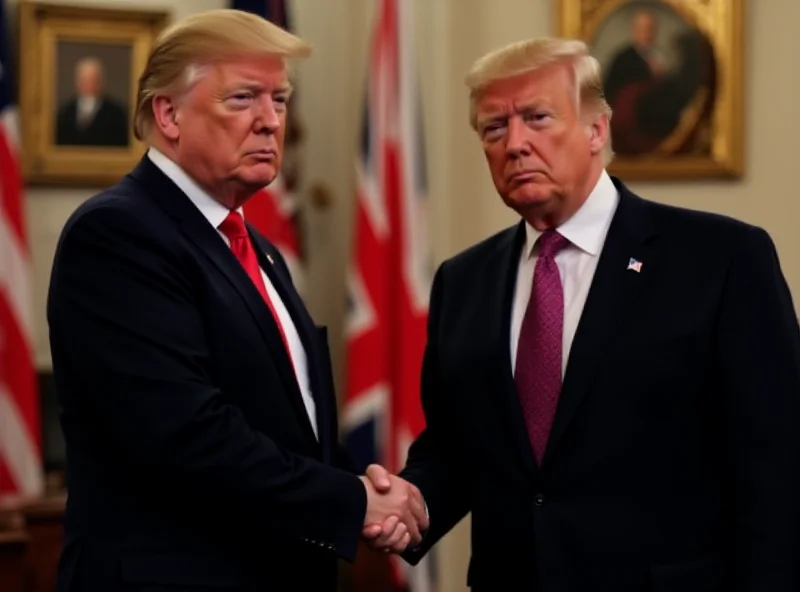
(538, 367)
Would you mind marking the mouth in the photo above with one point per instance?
(525, 176)
(263, 155)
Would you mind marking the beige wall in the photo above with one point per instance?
(451, 33)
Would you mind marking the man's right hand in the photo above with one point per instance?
(396, 514)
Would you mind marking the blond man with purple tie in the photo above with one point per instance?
(611, 386)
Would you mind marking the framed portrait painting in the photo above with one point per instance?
(672, 74)
(78, 77)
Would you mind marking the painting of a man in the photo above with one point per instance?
(91, 117)
(653, 76)
(639, 62)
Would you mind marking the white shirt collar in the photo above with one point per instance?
(87, 104)
(213, 211)
(587, 227)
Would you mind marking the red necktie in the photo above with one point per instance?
(233, 227)
(537, 373)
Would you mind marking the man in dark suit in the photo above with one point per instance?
(91, 118)
(611, 386)
(637, 62)
(640, 91)
(198, 405)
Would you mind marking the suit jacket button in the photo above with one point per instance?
(539, 499)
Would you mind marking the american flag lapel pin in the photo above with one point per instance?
(635, 265)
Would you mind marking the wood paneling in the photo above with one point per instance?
(30, 544)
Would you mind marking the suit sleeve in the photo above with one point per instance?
(344, 461)
(759, 370)
(434, 463)
(124, 304)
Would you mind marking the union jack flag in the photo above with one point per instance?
(275, 211)
(390, 274)
(20, 437)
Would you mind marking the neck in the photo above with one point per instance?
(561, 208)
(230, 194)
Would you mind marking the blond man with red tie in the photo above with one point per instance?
(198, 403)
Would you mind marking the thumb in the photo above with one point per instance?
(379, 477)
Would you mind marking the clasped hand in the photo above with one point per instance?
(396, 515)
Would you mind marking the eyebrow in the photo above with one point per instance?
(257, 86)
(498, 115)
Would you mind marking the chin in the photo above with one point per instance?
(530, 196)
(260, 175)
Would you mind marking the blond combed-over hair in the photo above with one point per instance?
(202, 39)
(532, 54)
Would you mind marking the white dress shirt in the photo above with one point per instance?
(87, 107)
(215, 213)
(586, 231)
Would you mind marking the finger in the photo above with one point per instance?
(419, 511)
(413, 528)
(419, 508)
(397, 536)
(388, 529)
(380, 478)
(370, 531)
(403, 544)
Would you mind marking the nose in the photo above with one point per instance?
(517, 143)
(267, 118)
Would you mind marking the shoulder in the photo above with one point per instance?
(119, 203)
(475, 259)
(626, 53)
(118, 215)
(67, 108)
(697, 230)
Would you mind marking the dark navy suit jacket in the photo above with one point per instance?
(191, 461)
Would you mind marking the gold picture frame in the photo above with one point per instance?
(68, 136)
(675, 117)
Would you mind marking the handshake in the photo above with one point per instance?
(396, 513)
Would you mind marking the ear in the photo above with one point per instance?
(166, 116)
(598, 133)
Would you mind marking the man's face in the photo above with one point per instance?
(231, 124)
(89, 80)
(539, 151)
(644, 29)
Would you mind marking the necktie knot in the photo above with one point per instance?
(233, 226)
(550, 243)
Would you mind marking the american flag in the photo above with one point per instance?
(20, 436)
(274, 210)
(390, 274)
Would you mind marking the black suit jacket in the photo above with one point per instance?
(108, 127)
(627, 67)
(190, 457)
(673, 460)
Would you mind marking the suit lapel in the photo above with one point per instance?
(503, 268)
(608, 305)
(208, 241)
(306, 329)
